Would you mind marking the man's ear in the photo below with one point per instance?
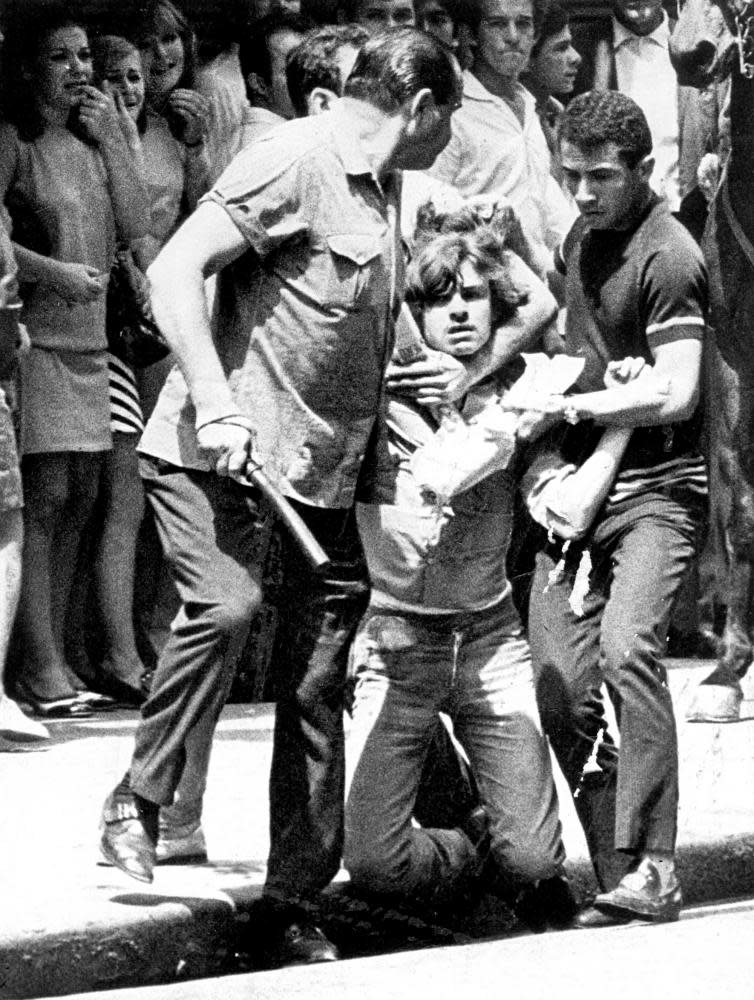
(256, 87)
(320, 99)
(645, 167)
(421, 105)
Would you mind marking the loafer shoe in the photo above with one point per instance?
(639, 895)
(129, 833)
(181, 846)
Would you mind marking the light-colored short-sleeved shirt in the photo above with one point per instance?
(303, 322)
(490, 151)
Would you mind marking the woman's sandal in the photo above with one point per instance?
(69, 707)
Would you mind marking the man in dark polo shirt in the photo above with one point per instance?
(303, 230)
(599, 612)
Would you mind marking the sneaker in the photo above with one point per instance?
(181, 846)
(639, 895)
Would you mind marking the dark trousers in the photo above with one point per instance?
(639, 558)
(210, 529)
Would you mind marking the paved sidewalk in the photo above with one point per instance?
(69, 923)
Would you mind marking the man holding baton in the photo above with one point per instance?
(287, 373)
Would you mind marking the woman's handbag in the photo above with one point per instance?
(132, 334)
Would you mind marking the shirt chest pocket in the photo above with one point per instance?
(350, 270)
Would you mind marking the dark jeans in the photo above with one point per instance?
(639, 558)
(210, 530)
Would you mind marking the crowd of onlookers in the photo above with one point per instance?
(112, 134)
(175, 109)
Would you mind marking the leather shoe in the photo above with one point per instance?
(288, 936)
(639, 895)
(548, 905)
(301, 943)
(129, 828)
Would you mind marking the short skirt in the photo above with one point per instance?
(65, 401)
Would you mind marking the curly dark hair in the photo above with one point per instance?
(434, 271)
(598, 117)
(314, 61)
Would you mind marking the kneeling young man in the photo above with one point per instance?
(441, 634)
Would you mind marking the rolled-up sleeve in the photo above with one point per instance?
(263, 198)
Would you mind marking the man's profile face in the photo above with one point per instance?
(376, 14)
(556, 64)
(639, 16)
(431, 131)
(506, 36)
(607, 191)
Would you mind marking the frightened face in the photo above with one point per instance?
(63, 69)
(506, 36)
(377, 14)
(556, 64)
(460, 322)
(607, 191)
(123, 73)
(163, 58)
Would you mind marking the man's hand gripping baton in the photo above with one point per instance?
(315, 554)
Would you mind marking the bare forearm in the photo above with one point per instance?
(180, 308)
(646, 402)
(519, 334)
(581, 495)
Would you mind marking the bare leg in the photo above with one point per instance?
(60, 490)
(116, 557)
(13, 723)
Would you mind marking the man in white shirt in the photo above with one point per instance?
(643, 71)
(497, 144)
